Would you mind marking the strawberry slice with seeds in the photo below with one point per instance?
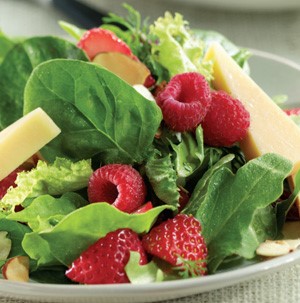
(99, 40)
(104, 262)
(144, 208)
(179, 242)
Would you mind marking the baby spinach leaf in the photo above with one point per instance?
(18, 65)
(16, 232)
(200, 189)
(5, 45)
(81, 228)
(230, 202)
(98, 113)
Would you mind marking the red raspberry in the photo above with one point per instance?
(179, 242)
(8, 182)
(185, 101)
(226, 122)
(104, 261)
(117, 184)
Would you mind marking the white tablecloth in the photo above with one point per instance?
(276, 32)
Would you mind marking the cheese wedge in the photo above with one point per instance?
(25, 137)
(271, 130)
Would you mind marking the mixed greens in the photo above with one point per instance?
(105, 120)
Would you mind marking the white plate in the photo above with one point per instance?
(253, 5)
(277, 76)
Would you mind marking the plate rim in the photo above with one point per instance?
(189, 286)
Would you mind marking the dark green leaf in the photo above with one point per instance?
(18, 65)
(98, 113)
(228, 205)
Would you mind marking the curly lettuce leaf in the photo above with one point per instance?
(54, 179)
(177, 49)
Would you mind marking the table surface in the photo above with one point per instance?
(276, 32)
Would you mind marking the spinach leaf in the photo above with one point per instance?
(98, 113)
(230, 202)
(81, 228)
(5, 45)
(16, 231)
(162, 176)
(189, 154)
(18, 65)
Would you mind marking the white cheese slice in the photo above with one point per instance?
(23, 138)
(271, 130)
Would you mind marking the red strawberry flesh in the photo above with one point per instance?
(8, 182)
(293, 111)
(99, 40)
(177, 240)
(104, 262)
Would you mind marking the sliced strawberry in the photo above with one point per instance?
(293, 111)
(99, 40)
(144, 208)
(104, 262)
(9, 181)
(179, 242)
(183, 199)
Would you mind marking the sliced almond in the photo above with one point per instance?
(16, 269)
(144, 91)
(294, 244)
(273, 248)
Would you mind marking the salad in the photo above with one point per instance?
(149, 177)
